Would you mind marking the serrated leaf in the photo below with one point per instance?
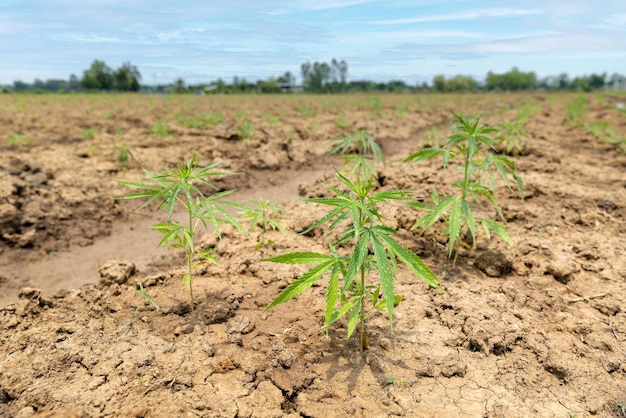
(386, 276)
(499, 229)
(302, 283)
(303, 257)
(412, 261)
(455, 222)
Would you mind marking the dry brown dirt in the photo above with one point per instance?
(536, 329)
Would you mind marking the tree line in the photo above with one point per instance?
(316, 77)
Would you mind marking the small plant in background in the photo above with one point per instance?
(601, 130)
(374, 251)
(89, 133)
(433, 137)
(574, 111)
(122, 156)
(512, 136)
(146, 298)
(160, 128)
(266, 215)
(472, 146)
(181, 185)
(306, 112)
(18, 140)
(341, 121)
(359, 151)
(402, 109)
(201, 121)
(92, 150)
(245, 130)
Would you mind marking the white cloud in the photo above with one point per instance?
(470, 15)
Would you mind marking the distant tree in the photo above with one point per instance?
(512, 80)
(596, 81)
(74, 83)
(127, 78)
(287, 78)
(20, 86)
(580, 83)
(439, 83)
(270, 85)
(461, 83)
(98, 77)
(179, 85)
(320, 77)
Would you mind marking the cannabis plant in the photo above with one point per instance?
(359, 152)
(266, 215)
(181, 186)
(472, 145)
(512, 136)
(374, 253)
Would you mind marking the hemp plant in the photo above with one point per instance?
(355, 150)
(472, 145)
(265, 215)
(181, 185)
(374, 252)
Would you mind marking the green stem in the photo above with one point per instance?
(362, 313)
(190, 258)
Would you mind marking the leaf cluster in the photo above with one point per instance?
(374, 250)
(265, 215)
(181, 186)
(472, 145)
(359, 152)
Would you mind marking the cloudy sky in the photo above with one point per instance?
(412, 40)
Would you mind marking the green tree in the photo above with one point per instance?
(127, 78)
(439, 83)
(98, 77)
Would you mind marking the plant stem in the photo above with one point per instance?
(362, 313)
(190, 257)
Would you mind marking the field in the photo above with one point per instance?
(532, 329)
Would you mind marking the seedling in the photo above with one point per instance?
(160, 128)
(89, 133)
(122, 156)
(265, 215)
(574, 110)
(245, 129)
(18, 140)
(471, 145)
(306, 112)
(181, 185)
(512, 136)
(374, 251)
(146, 299)
(355, 150)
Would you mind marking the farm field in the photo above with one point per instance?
(532, 329)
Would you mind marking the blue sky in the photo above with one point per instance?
(412, 40)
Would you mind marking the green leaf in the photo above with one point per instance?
(386, 276)
(353, 317)
(302, 283)
(498, 229)
(425, 154)
(332, 294)
(412, 261)
(455, 222)
(304, 257)
(437, 212)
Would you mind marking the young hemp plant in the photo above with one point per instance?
(374, 253)
(265, 215)
(180, 186)
(472, 145)
(355, 150)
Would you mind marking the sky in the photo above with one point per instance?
(381, 40)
